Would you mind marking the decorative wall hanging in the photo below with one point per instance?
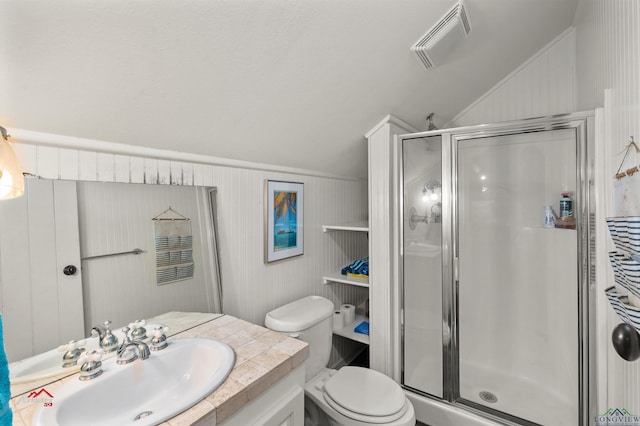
(624, 228)
(626, 187)
(624, 296)
(283, 220)
(174, 247)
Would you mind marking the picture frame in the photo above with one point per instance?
(283, 220)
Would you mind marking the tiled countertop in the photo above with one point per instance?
(262, 358)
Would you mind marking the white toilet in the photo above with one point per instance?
(351, 396)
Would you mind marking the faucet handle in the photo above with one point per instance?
(159, 340)
(72, 352)
(126, 339)
(100, 330)
(109, 342)
(159, 331)
(73, 344)
(95, 356)
(91, 365)
(138, 332)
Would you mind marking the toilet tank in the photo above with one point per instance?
(308, 319)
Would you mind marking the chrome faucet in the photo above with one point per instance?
(107, 340)
(130, 350)
(72, 354)
(91, 365)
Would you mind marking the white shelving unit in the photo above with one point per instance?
(337, 277)
(357, 226)
(347, 331)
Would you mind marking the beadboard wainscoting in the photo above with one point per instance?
(250, 287)
(545, 84)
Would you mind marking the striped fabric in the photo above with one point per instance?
(620, 304)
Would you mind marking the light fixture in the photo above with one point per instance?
(11, 177)
(429, 191)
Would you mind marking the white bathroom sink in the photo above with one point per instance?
(49, 364)
(151, 391)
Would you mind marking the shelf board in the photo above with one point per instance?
(549, 229)
(347, 331)
(362, 226)
(337, 277)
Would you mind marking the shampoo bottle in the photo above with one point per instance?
(566, 207)
(549, 217)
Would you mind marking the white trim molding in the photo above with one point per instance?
(111, 151)
(383, 211)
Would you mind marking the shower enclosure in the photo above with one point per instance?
(496, 305)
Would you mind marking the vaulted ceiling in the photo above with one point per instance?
(295, 83)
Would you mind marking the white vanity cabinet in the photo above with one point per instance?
(265, 386)
(282, 404)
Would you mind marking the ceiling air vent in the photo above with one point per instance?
(436, 44)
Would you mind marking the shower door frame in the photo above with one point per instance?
(583, 125)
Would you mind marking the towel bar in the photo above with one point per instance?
(134, 251)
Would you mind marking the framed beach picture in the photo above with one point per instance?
(283, 220)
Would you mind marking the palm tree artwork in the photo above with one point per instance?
(286, 220)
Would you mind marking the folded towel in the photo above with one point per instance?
(362, 328)
(359, 267)
(351, 274)
(6, 416)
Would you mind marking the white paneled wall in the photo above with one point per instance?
(608, 73)
(251, 288)
(543, 85)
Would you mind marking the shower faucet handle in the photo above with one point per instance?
(436, 213)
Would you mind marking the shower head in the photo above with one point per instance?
(430, 125)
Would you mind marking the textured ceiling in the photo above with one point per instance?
(291, 83)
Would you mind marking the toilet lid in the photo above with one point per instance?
(364, 392)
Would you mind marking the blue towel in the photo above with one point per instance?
(359, 267)
(362, 328)
(6, 416)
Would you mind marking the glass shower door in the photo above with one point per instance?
(517, 290)
(422, 264)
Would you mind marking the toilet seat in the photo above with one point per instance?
(365, 395)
